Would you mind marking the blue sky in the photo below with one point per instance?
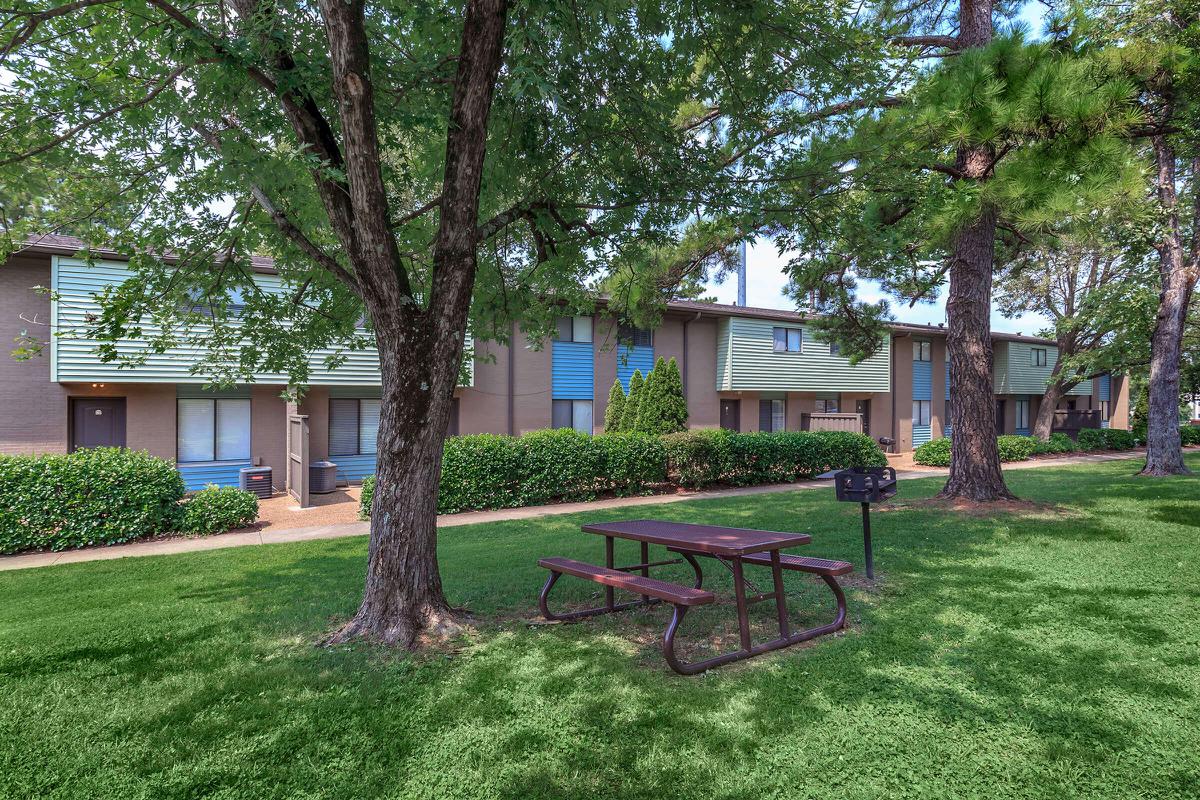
(765, 280)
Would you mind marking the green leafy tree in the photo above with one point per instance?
(993, 147)
(629, 414)
(615, 409)
(436, 168)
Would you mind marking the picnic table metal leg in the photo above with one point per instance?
(608, 562)
(691, 559)
(739, 591)
(645, 566)
(780, 597)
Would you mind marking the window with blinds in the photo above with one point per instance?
(353, 426)
(212, 430)
(772, 415)
(635, 337)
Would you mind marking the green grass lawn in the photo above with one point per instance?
(1047, 655)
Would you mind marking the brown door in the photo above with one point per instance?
(731, 415)
(999, 417)
(97, 422)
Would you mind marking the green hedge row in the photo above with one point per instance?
(488, 471)
(1020, 448)
(105, 496)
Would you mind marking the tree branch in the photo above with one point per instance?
(950, 42)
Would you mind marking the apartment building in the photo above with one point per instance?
(746, 369)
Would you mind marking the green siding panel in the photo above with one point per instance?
(747, 361)
(73, 355)
(1014, 374)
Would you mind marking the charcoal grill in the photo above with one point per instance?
(865, 485)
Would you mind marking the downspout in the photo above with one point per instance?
(686, 323)
(512, 356)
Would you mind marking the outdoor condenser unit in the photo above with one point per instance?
(322, 477)
(256, 480)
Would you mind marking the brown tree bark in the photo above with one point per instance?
(420, 350)
(1178, 271)
(974, 457)
(1043, 426)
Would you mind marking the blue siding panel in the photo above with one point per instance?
(200, 475)
(354, 468)
(573, 375)
(922, 380)
(921, 434)
(947, 379)
(630, 359)
(1022, 431)
(1105, 387)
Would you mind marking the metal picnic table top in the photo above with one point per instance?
(709, 539)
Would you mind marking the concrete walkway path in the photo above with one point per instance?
(160, 547)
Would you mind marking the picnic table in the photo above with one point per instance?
(733, 548)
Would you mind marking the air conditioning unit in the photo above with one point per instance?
(322, 477)
(256, 480)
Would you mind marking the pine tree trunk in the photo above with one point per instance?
(1164, 448)
(974, 457)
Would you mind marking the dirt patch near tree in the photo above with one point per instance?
(973, 508)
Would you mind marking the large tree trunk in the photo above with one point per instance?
(974, 458)
(420, 354)
(1164, 448)
(1043, 426)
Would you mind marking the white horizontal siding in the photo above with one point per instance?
(747, 361)
(73, 356)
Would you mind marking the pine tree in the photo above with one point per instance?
(615, 409)
(629, 414)
(649, 414)
(674, 401)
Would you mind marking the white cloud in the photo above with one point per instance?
(765, 283)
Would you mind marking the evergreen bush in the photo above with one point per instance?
(615, 409)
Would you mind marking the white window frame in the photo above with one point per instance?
(1038, 357)
(580, 326)
(373, 406)
(922, 350)
(1022, 414)
(576, 407)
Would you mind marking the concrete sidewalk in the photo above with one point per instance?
(160, 547)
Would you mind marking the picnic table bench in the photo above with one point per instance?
(734, 548)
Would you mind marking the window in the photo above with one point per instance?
(1022, 415)
(827, 405)
(575, 414)
(772, 415)
(213, 430)
(789, 340)
(353, 426)
(835, 349)
(574, 329)
(922, 351)
(1104, 410)
(635, 337)
(921, 412)
(1037, 357)
(198, 302)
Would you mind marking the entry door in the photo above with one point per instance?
(863, 407)
(731, 415)
(97, 422)
(999, 417)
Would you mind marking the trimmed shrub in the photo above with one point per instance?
(216, 509)
(934, 453)
(1016, 448)
(698, 458)
(1091, 439)
(629, 413)
(1190, 434)
(1117, 439)
(89, 497)
(632, 462)
(662, 408)
(1057, 443)
(615, 408)
(364, 498)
